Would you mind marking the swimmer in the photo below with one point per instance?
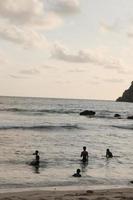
(84, 154)
(108, 154)
(77, 174)
(37, 158)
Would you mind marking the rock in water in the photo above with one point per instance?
(130, 117)
(88, 112)
(127, 95)
(117, 116)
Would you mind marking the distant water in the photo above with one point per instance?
(55, 128)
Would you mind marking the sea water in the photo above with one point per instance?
(55, 128)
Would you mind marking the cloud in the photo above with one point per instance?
(44, 14)
(21, 11)
(85, 56)
(29, 72)
(22, 20)
(32, 71)
(26, 37)
(125, 72)
(114, 80)
(48, 67)
(17, 76)
(111, 63)
(28, 13)
(62, 53)
(64, 7)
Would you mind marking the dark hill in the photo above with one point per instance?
(127, 95)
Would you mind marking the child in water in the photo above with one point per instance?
(77, 174)
(84, 155)
(37, 158)
(109, 154)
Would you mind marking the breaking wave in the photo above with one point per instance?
(41, 111)
(41, 127)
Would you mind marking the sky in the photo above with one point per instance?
(66, 48)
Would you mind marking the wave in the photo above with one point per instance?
(34, 111)
(37, 111)
(42, 127)
(123, 127)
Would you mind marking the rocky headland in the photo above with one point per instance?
(127, 95)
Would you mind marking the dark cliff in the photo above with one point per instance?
(127, 95)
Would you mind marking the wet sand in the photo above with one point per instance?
(108, 194)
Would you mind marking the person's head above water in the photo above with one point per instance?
(77, 174)
(36, 152)
(108, 151)
(78, 171)
(84, 148)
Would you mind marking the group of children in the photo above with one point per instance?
(84, 155)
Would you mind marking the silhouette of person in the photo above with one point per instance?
(108, 154)
(84, 154)
(37, 157)
(77, 174)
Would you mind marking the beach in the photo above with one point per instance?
(55, 128)
(66, 100)
(108, 194)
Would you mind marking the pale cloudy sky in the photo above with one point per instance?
(66, 48)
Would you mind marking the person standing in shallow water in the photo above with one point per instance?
(109, 154)
(84, 155)
(37, 157)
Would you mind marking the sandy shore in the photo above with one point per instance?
(108, 194)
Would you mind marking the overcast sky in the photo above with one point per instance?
(66, 48)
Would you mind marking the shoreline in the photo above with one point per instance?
(65, 188)
(88, 194)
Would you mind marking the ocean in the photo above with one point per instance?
(55, 128)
